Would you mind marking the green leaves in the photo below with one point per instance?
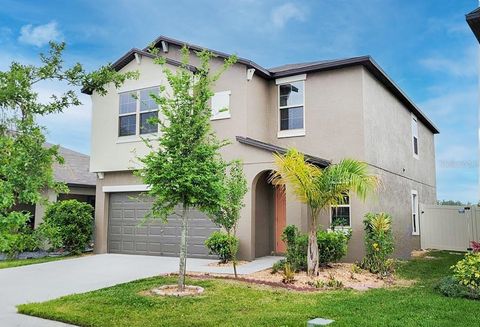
(467, 271)
(25, 162)
(235, 186)
(186, 167)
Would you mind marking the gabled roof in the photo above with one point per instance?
(277, 149)
(299, 68)
(473, 20)
(75, 171)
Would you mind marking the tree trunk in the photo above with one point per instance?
(234, 255)
(183, 251)
(312, 256)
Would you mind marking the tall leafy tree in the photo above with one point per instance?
(229, 213)
(25, 162)
(184, 167)
(321, 188)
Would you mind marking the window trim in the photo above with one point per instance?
(222, 115)
(349, 206)
(137, 113)
(416, 218)
(290, 132)
(414, 127)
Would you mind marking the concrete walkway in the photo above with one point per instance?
(46, 281)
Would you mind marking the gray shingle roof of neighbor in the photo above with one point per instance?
(278, 149)
(473, 20)
(299, 68)
(75, 171)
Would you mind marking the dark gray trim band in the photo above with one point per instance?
(277, 149)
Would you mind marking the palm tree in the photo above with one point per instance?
(321, 188)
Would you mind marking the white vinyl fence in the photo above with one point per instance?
(449, 227)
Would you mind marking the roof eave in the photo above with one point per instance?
(375, 70)
(277, 149)
(473, 20)
(250, 64)
(130, 55)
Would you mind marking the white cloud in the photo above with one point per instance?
(458, 66)
(40, 35)
(283, 14)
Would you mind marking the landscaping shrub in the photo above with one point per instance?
(467, 271)
(15, 234)
(452, 287)
(378, 243)
(278, 266)
(69, 224)
(297, 245)
(223, 245)
(332, 246)
(475, 246)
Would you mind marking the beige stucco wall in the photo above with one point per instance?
(348, 114)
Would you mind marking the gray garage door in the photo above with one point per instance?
(127, 235)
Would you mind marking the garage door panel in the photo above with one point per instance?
(129, 234)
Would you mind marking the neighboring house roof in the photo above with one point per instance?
(75, 171)
(299, 68)
(277, 149)
(473, 19)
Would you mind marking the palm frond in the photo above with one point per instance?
(292, 169)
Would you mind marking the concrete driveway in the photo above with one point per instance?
(46, 281)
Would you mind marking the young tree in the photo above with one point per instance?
(229, 213)
(321, 188)
(25, 163)
(184, 166)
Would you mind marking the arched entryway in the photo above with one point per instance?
(269, 215)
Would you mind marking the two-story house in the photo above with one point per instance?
(327, 109)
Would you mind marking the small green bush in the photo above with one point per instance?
(69, 224)
(378, 243)
(452, 287)
(332, 245)
(278, 266)
(297, 246)
(467, 270)
(223, 245)
(15, 234)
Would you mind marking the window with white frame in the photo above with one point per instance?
(135, 110)
(415, 136)
(221, 105)
(291, 106)
(340, 214)
(415, 218)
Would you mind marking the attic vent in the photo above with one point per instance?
(164, 46)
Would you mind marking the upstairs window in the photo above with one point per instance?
(135, 109)
(148, 109)
(221, 105)
(128, 114)
(415, 137)
(340, 214)
(291, 106)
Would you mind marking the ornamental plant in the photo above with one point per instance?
(320, 189)
(227, 216)
(222, 244)
(467, 271)
(379, 244)
(69, 223)
(333, 246)
(184, 168)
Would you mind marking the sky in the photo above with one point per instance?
(425, 46)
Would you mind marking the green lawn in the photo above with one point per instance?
(25, 262)
(227, 303)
